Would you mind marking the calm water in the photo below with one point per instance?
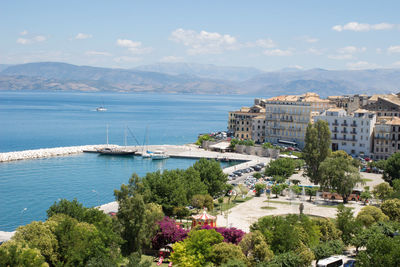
(37, 120)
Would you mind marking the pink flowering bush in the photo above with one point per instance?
(168, 233)
(231, 235)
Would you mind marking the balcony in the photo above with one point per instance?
(335, 131)
(287, 119)
(335, 124)
(353, 132)
(353, 125)
(344, 139)
(344, 124)
(345, 132)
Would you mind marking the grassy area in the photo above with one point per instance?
(282, 202)
(228, 204)
(268, 208)
(153, 263)
(366, 180)
(332, 206)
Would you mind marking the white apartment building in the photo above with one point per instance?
(287, 117)
(351, 133)
(258, 130)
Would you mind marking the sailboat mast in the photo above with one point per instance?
(107, 133)
(125, 135)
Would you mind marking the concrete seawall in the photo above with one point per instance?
(47, 152)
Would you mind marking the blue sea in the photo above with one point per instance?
(31, 120)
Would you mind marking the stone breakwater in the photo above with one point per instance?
(47, 152)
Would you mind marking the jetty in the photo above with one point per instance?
(49, 152)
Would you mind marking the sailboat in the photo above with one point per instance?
(116, 151)
(101, 108)
(145, 153)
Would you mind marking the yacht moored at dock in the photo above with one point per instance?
(158, 154)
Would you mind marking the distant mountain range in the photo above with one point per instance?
(196, 79)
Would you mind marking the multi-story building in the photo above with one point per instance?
(386, 138)
(352, 133)
(384, 105)
(287, 117)
(258, 129)
(350, 103)
(241, 121)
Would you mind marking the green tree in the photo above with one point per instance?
(196, 249)
(346, 223)
(392, 168)
(204, 137)
(40, 236)
(382, 191)
(259, 187)
(135, 260)
(281, 167)
(311, 191)
(255, 248)
(327, 249)
(98, 218)
(338, 173)
(276, 189)
(78, 241)
(234, 263)
(391, 208)
(369, 215)
(380, 250)
(212, 176)
(181, 212)
(366, 194)
(296, 189)
(131, 216)
(18, 254)
(257, 175)
(203, 201)
(72, 208)
(223, 252)
(327, 229)
(316, 150)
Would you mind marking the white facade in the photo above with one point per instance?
(258, 131)
(351, 133)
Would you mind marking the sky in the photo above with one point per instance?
(269, 35)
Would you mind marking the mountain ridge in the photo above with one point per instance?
(63, 76)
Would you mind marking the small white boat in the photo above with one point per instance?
(159, 155)
(101, 109)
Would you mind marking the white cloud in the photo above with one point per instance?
(133, 46)
(341, 57)
(24, 32)
(278, 52)
(315, 51)
(394, 49)
(127, 59)
(98, 53)
(351, 50)
(396, 64)
(23, 41)
(34, 39)
(39, 38)
(308, 39)
(263, 43)
(204, 42)
(171, 59)
(361, 65)
(82, 36)
(379, 50)
(362, 27)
